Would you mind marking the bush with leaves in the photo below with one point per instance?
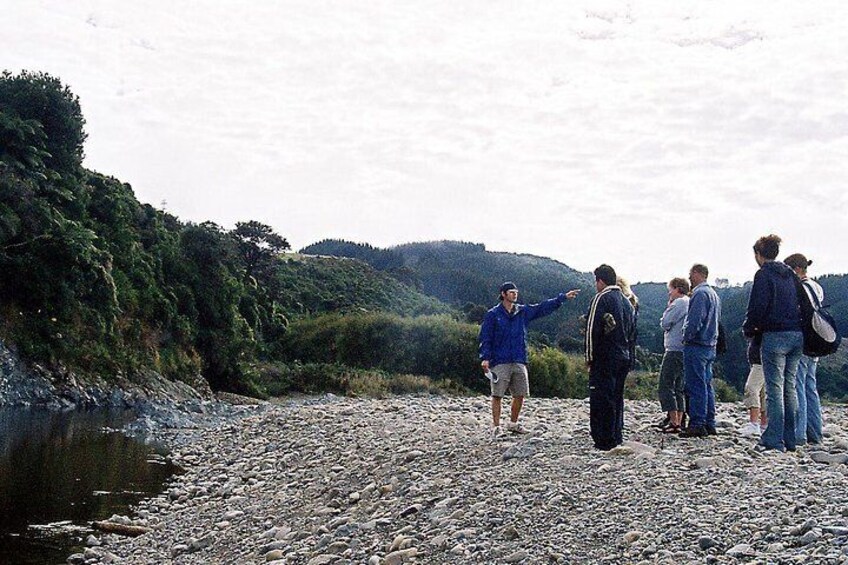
(436, 346)
(266, 380)
(555, 373)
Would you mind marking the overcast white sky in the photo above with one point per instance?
(648, 135)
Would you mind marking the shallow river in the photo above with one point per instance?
(59, 472)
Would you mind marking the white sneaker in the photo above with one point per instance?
(751, 429)
(497, 432)
(516, 428)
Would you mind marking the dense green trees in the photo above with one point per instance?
(259, 247)
(380, 259)
(56, 278)
(326, 284)
(94, 280)
(41, 98)
(387, 260)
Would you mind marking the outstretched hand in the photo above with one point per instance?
(572, 293)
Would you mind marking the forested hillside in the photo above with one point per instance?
(95, 281)
(468, 276)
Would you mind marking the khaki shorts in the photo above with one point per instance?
(755, 388)
(512, 377)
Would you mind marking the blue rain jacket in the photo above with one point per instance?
(503, 336)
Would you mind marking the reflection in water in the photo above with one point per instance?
(59, 468)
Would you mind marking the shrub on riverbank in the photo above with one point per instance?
(269, 380)
(436, 346)
(439, 347)
(554, 373)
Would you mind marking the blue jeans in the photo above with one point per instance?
(808, 426)
(698, 370)
(781, 352)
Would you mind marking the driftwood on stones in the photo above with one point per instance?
(120, 529)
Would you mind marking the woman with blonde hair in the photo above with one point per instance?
(628, 292)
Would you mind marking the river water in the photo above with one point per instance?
(60, 471)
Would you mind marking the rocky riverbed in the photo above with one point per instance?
(418, 480)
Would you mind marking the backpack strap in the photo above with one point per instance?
(812, 294)
(805, 306)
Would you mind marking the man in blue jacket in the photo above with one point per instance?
(503, 350)
(700, 336)
(610, 354)
(774, 313)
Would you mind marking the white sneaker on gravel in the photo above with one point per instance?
(516, 428)
(497, 432)
(751, 429)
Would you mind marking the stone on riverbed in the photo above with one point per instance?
(314, 481)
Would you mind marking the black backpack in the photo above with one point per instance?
(821, 336)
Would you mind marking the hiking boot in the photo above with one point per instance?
(516, 428)
(751, 429)
(694, 431)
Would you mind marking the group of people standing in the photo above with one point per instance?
(773, 324)
(691, 323)
(780, 393)
(780, 416)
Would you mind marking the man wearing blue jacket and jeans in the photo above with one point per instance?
(774, 313)
(700, 336)
(503, 349)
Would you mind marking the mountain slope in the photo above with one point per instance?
(311, 285)
(468, 276)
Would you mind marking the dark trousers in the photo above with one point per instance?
(606, 402)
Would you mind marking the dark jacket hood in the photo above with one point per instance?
(773, 303)
(779, 269)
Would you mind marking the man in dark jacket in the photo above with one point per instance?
(503, 350)
(774, 313)
(610, 354)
